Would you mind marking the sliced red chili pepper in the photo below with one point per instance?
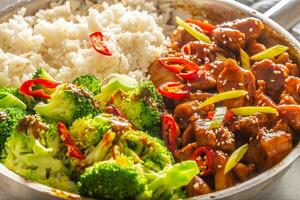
(73, 150)
(186, 49)
(228, 117)
(173, 90)
(204, 159)
(185, 68)
(97, 41)
(169, 132)
(26, 87)
(207, 27)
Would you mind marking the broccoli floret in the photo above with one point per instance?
(33, 152)
(165, 184)
(103, 151)
(29, 101)
(41, 73)
(9, 118)
(9, 100)
(142, 106)
(149, 149)
(118, 180)
(112, 180)
(67, 104)
(88, 131)
(89, 83)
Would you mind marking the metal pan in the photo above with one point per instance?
(216, 11)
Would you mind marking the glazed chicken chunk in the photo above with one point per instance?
(268, 148)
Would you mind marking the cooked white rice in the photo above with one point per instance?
(57, 40)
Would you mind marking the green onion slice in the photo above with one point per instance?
(269, 53)
(9, 100)
(218, 118)
(250, 110)
(224, 96)
(235, 158)
(220, 57)
(192, 31)
(245, 59)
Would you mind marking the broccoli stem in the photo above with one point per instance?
(101, 150)
(172, 178)
(9, 100)
(53, 110)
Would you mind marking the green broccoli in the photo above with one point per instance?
(67, 104)
(112, 180)
(142, 106)
(88, 131)
(33, 152)
(89, 83)
(41, 73)
(149, 149)
(9, 118)
(9, 100)
(103, 151)
(113, 83)
(29, 101)
(122, 179)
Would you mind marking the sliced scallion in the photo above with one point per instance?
(251, 110)
(245, 59)
(223, 96)
(270, 52)
(218, 118)
(192, 31)
(220, 57)
(235, 158)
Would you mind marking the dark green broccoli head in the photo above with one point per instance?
(67, 104)
(89, 83)
(112, 180)
(9, 119)
(88, 131)
(142, 106)
(33, 152)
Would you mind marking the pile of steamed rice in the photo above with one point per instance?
(57, 40)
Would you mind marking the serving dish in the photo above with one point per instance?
(217, 11)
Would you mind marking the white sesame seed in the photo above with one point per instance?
(224, 42)
(277, 72)
(241, 84)
(240, 39)
(250, 29)
(225, 81)
(230, 40)
(204, 49)
(233, 88)
(223, 35)
(247, 97)
(219, 166)
(272, 80)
